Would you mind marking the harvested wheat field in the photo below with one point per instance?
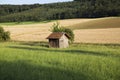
(111, 35)
(39, 32)
(110, 22)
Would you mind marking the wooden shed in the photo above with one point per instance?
(58, 40)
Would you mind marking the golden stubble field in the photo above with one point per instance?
(39, 32)
(111, 35)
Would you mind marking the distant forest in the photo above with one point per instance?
(64, 10)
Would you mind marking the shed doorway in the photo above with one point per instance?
(54, 43)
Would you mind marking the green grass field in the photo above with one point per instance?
(25, 23)
(35, 61)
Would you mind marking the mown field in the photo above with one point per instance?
(35, 61)
(98, 30)
(99, 23)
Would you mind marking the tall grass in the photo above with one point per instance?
(35, 61)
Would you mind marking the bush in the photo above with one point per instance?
(57, 28)
(4, 36)
(70, 33)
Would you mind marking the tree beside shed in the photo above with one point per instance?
(58, 40)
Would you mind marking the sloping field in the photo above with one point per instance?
(111, 35)
(112, 22)
(35, 61)
(39, 32)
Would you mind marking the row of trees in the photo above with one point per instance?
(65, 10)
(9, 9)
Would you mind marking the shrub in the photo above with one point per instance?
(4, 36)
(70, 33)
(1, 30)
(57, 28)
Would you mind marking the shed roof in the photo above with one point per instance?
(57, 35)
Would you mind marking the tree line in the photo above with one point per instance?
(64, 10)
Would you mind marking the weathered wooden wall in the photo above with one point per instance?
(54, 43)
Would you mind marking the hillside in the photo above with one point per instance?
(35, 61)
(39, 31)
(93, 30)
(112, 22)
(55, 11)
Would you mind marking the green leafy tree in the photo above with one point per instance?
(55, 11)
(4, 36)
(57, 28)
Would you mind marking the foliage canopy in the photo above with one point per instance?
(57, 28)
(4, 36)
(55, 11)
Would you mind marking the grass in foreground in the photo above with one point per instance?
(35, 61)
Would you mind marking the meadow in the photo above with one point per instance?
(95, 54)
(24, 23)
(35, 61)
